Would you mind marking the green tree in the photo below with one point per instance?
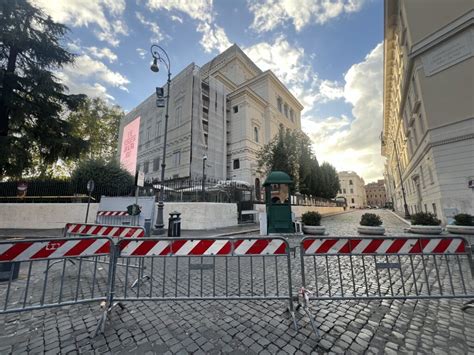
(32, 100)
(330, 184)
(98, 123)
(109, 177)
(291, 152)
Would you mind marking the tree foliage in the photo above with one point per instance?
(109, 176)
(290, 151)
(98, 123)
(32, 100)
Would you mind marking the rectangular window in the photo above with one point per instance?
(350, 182)
(434, 209)
(292, 115)
(236, 108)
(255, 132)
(286, 110)
(352, 200)
(158, 131)
(280, 104)
(426, 208)
(430, 173)
(236, 164)
(352, 191)
(145, 167)
(344, 190)
(177, 158)
(156, 164)
(178, 115)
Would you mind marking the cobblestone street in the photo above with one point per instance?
(250, 327)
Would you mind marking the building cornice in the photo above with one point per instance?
(269, 74)
(444, 33)
(245, 90)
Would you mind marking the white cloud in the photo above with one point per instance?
(78, 13)
(291, 65)
(176, 18)
(268, 14)
(142, 52)
(89, 76)
(200, 10)
(330, 90)
(158, 36)
(102, 53)
(213, 37)
(354, 145)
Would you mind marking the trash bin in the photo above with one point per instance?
(174, 225)
(147, 226)
(7, 269)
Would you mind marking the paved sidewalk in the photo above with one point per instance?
(244, 327)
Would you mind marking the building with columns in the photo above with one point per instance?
(428, 113)
(225, 110)
(352, 189)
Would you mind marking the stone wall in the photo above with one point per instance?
(299, 210)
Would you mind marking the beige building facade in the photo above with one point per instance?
(428, 129)
(376, 194)
(226, 110)
(352, 189)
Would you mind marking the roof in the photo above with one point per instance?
(278, 177)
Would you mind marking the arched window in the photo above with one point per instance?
(255, 134)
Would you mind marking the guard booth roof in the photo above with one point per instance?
(277, 177)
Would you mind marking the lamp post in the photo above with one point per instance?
(159, 54)
(407, 214)
(204, 159)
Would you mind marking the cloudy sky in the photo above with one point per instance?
(328, 52)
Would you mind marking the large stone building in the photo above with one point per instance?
(225, 110)
(352, 189)
(376, 194)
(428, 130)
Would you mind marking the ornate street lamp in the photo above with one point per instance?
(160, 55)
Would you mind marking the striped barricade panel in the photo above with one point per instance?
(116, 218)
(387, 267)
(32, 284)
(203, 247)
(101, 230)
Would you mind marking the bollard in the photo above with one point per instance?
(174, 225)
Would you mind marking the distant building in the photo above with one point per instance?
(352, 189)
(428, 110)
(225, 110)
(376, 194)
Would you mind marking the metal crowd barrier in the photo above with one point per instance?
(186, 269)
(117, 218)
(375, 268)
(79, 283)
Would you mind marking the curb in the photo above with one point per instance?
(400, 218)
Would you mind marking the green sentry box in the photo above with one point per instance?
(278, 203)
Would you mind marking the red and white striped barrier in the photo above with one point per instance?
(435, 245)
(101, 230)
(53, 249)
(112, 213)
(197, 247)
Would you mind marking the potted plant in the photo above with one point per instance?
(463, 224)
(370, 223)
(425, 223)
(312, 223)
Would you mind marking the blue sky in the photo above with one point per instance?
(328, 53)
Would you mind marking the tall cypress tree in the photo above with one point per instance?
(32, 100)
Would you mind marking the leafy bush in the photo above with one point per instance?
(425, 219)
(110, 179)
(370, 219)
(464, 219)
(311, 218)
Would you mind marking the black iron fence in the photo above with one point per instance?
(175, 190)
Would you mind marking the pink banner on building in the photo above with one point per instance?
(128, 153)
